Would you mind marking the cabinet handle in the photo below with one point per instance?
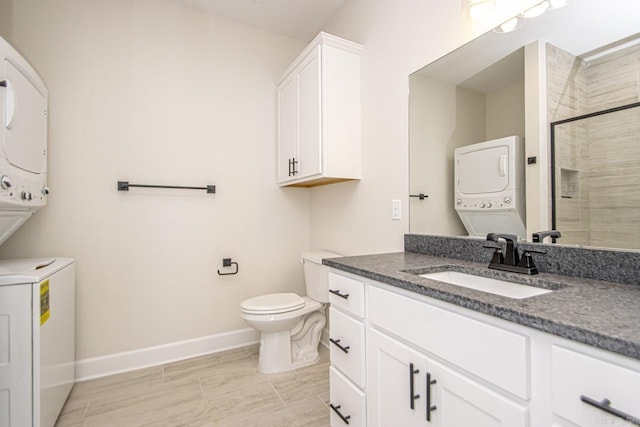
(429, 406)
(412, 396)
(290, 171)
(336, 409)
(337, 343)
(345, 296)
(605, 405)
(294, 162)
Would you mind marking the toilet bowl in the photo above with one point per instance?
(291, 325)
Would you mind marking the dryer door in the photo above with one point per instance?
(483, 171)
(24, 122)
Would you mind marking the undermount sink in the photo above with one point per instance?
(487, 284)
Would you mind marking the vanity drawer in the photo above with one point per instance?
(498, 356)
(347, 293)
(347, 402)
(347, 346)
(575, 374)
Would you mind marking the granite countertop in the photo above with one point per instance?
(598, 313)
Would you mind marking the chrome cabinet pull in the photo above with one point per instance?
(605, 405)
(337, 344)
(337, 292)
(429, 406)
(412, 395)
(336, 409)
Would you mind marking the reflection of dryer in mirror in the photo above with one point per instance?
(23, 141)
(489, 187)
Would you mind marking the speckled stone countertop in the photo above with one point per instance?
(594, 312)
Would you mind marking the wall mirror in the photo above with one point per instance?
(566, 63)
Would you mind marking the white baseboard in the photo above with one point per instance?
(97, 367)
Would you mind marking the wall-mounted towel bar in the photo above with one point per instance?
(419, 196)
(124, 186)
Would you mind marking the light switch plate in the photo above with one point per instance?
(396, 209)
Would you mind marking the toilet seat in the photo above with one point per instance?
(272, 303)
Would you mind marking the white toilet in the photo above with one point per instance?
(291, 325)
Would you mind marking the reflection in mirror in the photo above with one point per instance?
(596, 177)
(516, 84)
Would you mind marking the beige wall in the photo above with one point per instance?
(442, 117)
(150, 92)
(146, 91)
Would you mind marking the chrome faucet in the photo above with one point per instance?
(511, 260)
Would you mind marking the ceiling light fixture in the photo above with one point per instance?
(536, 10)
(479, 9)
(510, 25)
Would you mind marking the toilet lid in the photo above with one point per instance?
(272, 303)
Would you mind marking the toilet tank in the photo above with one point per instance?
(316, 275)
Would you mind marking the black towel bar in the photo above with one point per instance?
(124, 186)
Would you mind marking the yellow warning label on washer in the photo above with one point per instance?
(45, 309)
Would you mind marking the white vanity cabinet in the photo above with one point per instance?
(579, 377)
(318, 125)
(431, 363)
(347, 350)
(409, 385)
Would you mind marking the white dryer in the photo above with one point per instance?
(23, 141)
(37, 340)
(490, 187)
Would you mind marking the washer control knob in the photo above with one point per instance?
(5, 182)
(459, 202)
(29, 196)
(23, 195)
(482, 205)
(489, 205)
(45, 190)
(507, 200)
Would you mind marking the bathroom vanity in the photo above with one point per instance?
(409, 350)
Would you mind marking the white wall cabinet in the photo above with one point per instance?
(319, 115)
(482, 371)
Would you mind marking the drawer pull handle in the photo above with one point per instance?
(345, 296)
(336, 409)
(605, 405)
(412, 395)
(430, 407)
(337, 344)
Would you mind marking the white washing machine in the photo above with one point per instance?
(37, 340)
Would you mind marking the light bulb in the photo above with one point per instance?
(536, 10)
(557, 4)
(509, 26)
(479, 9)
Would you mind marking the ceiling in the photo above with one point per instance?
(298, 19)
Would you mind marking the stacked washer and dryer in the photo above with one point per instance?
(37, 296)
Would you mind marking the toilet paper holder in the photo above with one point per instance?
(227, 262)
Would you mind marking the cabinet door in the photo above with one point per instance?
(396, 376)
(458, 401)
(309, 117)
(15, 356)
(287, 127)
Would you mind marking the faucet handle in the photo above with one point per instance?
(527, 260)
(497, 257)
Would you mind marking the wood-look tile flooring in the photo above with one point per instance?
(222, 389)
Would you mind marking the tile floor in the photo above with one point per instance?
(222, 389)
